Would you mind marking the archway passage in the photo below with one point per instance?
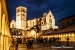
(33, 34)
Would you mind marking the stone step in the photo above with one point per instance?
(12, 48)
(22, 46)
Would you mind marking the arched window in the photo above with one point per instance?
(23, 10)
(12, 25)
(50, 20)
(18, 10)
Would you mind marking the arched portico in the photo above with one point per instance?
(33, 34)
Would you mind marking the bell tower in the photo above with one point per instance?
(21, 14)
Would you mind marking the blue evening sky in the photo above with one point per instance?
(35, 8)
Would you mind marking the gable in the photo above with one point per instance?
(50, 15)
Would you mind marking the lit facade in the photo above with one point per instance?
(67, 29)
(48, 22)
(5, 40)
(21, 14)
(44, 23)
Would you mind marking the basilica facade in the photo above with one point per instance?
(29, 27)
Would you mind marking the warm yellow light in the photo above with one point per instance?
(23, 34)
(16, 36)
(64, 35)
(56, 36)
(33, 34)
(69, 35)
(37, 33)
(19, 33)
(72, 34)
(52, 36)
(59, 35)
(13, 36)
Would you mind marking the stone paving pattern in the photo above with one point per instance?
(37, 46)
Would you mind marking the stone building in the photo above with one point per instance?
(4, 26)
(66, 29)
(48, 21)
(27, 27)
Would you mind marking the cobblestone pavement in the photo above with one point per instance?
(35, 47)
(44, 47)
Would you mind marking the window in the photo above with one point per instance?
(42, 22)
(23, 10)
(50, 20)
(23, 14)
(50, 15)
(12, 25)
(18, 10)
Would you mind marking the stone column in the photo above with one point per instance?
(0, 17)
(1, 42)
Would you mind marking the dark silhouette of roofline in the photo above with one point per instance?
(67, 17)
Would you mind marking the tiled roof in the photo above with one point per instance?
(68, 29)
(63, 30)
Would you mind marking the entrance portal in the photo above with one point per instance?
(33, 34)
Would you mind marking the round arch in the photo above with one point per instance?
(33, 33)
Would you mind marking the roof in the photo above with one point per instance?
(64, 30)
(68, 29)
(68, 17)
